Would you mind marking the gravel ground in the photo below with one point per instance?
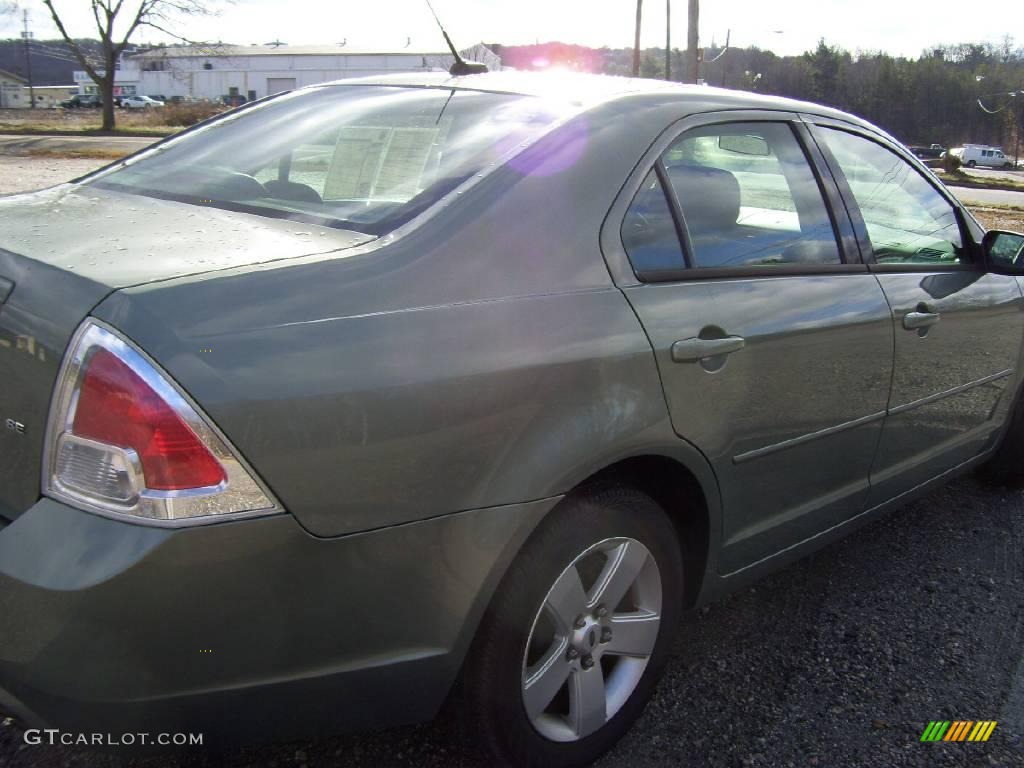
(840, 660)
(20, 173)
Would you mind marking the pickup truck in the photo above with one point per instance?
(933, 150)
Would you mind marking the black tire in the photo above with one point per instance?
(1006, 466)
(492, 684)
(970, 163)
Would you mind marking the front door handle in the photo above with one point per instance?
(913, 321)
(694, 350)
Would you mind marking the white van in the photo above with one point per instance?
(979, 154)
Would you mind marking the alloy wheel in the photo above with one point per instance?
(591, 639)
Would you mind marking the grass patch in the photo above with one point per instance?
(86, 122)
(50, 129)
(977, 182)
(86, 153)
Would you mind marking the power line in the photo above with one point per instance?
(47, 53)
(1011, 94)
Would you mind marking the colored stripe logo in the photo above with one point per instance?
(958, 730)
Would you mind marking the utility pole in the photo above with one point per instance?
(1016, 112)
(27, 36)
(692, 53)
(636, 39)
(668, 39)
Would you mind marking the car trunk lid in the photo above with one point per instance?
(63, 250)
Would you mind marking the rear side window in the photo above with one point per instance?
(649, 231)
(749, 197)
(908, 221)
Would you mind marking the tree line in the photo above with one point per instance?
(929, 99)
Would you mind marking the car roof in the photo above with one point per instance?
(589, 90)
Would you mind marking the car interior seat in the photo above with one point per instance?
(292, 190)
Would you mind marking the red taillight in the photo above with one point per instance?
(116, 407)
(123, 440)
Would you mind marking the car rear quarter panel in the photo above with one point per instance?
(484, 358)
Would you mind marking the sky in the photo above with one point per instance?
(900, 27)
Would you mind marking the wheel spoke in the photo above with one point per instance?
(545, 680)
(587, 702)
(566, 600)
(633, 634)
(624, 565)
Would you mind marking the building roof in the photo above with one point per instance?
(229, 51)
(11, 76)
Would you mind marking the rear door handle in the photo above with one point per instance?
(694, 350)
(912, 321)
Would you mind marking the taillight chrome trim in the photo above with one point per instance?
(184, 506)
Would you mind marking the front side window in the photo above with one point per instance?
(749, 197)
(908, 221)
(366, 158)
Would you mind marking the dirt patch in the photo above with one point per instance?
(999, 217)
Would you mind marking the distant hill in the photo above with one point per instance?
(52, 62)
(555, 54)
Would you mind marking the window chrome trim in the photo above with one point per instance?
(721, 273)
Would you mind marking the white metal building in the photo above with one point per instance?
(251, 72)
(10, 90)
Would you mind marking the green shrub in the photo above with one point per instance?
(951, 163)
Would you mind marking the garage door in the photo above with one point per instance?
(278, 84)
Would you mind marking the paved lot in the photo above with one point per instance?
(988, 196)
(840, 660)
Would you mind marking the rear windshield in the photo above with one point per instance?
(365, 158)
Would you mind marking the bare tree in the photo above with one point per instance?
(117, 21)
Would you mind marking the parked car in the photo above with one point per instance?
(468, 386)
(82, 100)
(973, 155)
(140, 102)
(930, 152)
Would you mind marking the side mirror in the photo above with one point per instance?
(1004, 251)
